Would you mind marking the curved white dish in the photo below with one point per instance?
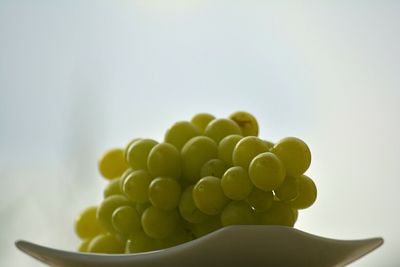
(240, 245)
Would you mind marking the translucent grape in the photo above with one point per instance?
(126, 173)
(188, 209)
(280, 213)
(226, 146)
(107, 207)
(126, 220)
(84, 245)
(294, 154)
(219, 128)
(164, 160)
(112, 164)
(266, 171)
(180, 133)
(201, 120)
(208, 195)
(86, 225)
(140, 242)
(288, 190)
(237, 212)
(236, 183)
(210, 225)
(113, 188)
(213, 167)
(247, 123)
(246, 149)
(164, 193)
(138, 153)
(196, 152)
(260, 200)
(136, 186)
(127, 148)
(307, 193)
(106, 243)
(159, 223)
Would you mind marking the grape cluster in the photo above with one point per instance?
(208, 173)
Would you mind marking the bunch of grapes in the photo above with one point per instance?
(208, 173)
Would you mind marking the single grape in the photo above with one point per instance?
(113, 188)
(164, 160)
(127, 148)
(107, 207)
(159, 223)
(180, 133)
(247, 123)
(236, 183)
(288, 190)
(294, 154)
(208, 195)
(201, 120)
(226, 146)
(260, 200)
(210, 225)
(106, 243)
(136, 186)
(188, 209)
(266, 171)
(138, 153)
(141, 242)
(196, 152)
(164, 193)
(280, 213)
(123, 177)
(213, 167)
(112, 164)
(126, 220)
(84, 245)
(307, 193)
(217, 129)
(246, 149)
(86, 225)
(237, 212)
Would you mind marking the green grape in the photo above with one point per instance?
(123, 177)
(236, 183)
(140, 242)
(226, 146)
(266, 171)
(247, 123)
(210, 225)
(260, 200)
(180, 133)
(86, 225)
(138, 153)
(307, 193)
(294, 154)
(295, 214)
(112, 164)
(164, 193)
(113, 188)
(201, 120)
(126, 220)
(136, 186)
(141, 207)
(288, 190)
(246, 149)
(213, 167)
(164, 160)
(127, 148)
(237, 212)
(107, 207)
(84, 245)
(188, 209)
(269, 144)
(280, 213)
(208, 195)
(159, 223)
(217, 129)
(106, 243)
(179, 236)
(195, 153)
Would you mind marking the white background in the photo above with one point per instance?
(79, 77)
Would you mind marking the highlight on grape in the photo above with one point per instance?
(207, 173)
